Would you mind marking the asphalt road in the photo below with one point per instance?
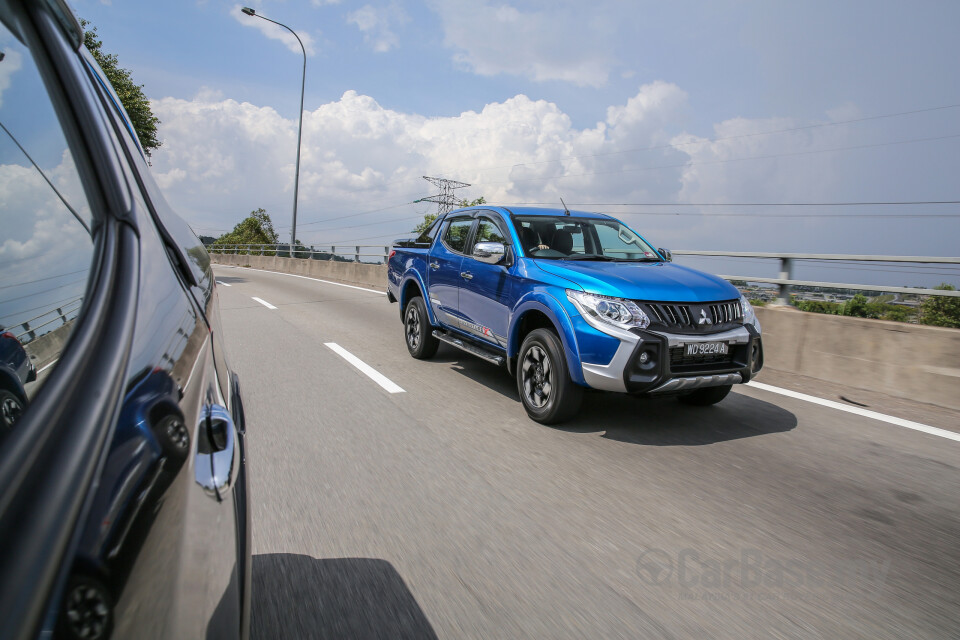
(442, 511)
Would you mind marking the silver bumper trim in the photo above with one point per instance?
(698, 382)
(609, 377)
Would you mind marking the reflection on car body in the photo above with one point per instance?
(16, 370)
(124, 506)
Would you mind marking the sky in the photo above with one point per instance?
(689, 113)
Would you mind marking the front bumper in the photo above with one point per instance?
(651, 362)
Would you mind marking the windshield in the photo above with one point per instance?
(570, 238)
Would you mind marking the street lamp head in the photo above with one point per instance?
(248, 11)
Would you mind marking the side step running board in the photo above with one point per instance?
(469, 347)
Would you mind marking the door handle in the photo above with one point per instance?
(434, 265)
(216, 465)
(466, 275)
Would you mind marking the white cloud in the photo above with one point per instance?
(43, 240)
(221, 159)
(377, 25)
(275, 32)
(565, 40)
(743, 163)
(12, 62)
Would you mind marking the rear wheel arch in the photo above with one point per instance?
(410, 290)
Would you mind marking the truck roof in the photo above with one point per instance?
(536, 211)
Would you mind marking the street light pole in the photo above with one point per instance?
(303, 83)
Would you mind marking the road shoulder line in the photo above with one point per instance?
(900, 422)
(294, 275)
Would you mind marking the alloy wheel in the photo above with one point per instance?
(11, 410)
(537, 377)
(413, 327)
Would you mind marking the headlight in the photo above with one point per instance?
(749, 315)
(618, 312)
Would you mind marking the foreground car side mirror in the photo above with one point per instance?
(666, 254)
(489, 252)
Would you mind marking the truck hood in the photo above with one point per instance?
(655, 281)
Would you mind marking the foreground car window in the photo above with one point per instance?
(45, 241)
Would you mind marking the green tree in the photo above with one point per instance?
(899, 313)
(856, 307)
(257, 228)
(818, 306)
(130, 93)
(430, 217)
(941, 311)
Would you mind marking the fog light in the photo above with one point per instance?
(644, 357)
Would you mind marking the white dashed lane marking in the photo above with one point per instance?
(370, 372)
(264, 303)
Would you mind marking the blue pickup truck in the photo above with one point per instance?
(570, 300)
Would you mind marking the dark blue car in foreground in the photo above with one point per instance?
(569, 300)
(123, 484)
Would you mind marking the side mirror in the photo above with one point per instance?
(666, 254)
(489, 252)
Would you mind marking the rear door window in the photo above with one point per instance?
(455, 237)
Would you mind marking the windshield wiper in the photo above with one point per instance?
(590, 256)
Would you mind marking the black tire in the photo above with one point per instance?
(706, 397)
(174, 437)
(11, 406)
(543, 380)
(87, 610)
(417, 332)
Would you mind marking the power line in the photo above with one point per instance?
(37, 293)
(20, 284)
(721, 138)
(709, 162)
(783, 215)
(367, 224)
(352, 215)
(52, 307)
(743, 204)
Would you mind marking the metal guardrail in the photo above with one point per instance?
(312, 252)
(786, 281)
(63, 314)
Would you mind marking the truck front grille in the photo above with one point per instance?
(694, 317)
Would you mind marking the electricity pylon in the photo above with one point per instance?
(445, 200)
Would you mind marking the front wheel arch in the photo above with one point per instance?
(557, 320)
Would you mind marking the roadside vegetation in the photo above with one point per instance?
(934, 310)
(131, 95)
(430, 217)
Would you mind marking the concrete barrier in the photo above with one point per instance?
(903, 360)
(360, 274)
(47, 348)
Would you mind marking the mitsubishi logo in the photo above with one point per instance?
(703, 318)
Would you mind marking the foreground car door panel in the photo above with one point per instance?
(123, 510)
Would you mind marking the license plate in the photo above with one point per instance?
(707, 348)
